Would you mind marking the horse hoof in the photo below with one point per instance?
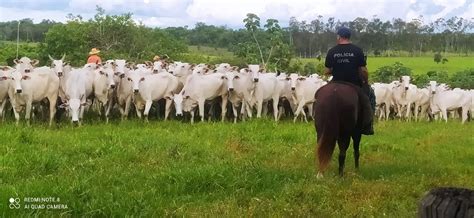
(319, 176)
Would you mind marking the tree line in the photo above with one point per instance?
(265, 42)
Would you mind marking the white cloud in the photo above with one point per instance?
(165, 13)
(7, 14)
(449, 5)
(469, 14)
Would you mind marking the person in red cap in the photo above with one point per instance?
(94, 56)
(346, 62)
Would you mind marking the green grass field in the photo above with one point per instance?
(419, 65)
(257, 168)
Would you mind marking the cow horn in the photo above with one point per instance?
(64, 56)
(50, 58)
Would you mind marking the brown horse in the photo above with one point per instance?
(336, 112)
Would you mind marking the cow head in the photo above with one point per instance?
(120, 67)
(159, 66)
(255, 72)
(109, 76)
(230, 77)
(224, 67)
(180, 69)
(58, 65)
(135, 77)
(74, 105)
(294, 80)
(432, 87)
(17, 77)
(25, 65)
(405, 82)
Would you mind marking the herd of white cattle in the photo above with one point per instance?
(406, 99)
(118, 85)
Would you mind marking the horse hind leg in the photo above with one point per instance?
(356, 139)
(343, 143)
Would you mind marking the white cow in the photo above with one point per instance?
(76, 93)
(404, 96)
(25, 65)
(197, 90)
(383, 99)
(304, 90)
(182, 71)
(286, 94)
(28, 88)
(128, 91)
(422, 102)
(266, 88)
(5, 73)
(103, 86)
(240, 88)
(472, 103)
(155, 87)
(443, 100)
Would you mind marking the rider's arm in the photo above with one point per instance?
(364, 73)
(328, 63)
(328, 71)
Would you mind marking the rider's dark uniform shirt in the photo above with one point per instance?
(345, 60)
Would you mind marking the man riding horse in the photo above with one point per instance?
(346, 63)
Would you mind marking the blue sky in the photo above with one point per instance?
(164, 13)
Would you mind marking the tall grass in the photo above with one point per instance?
(256, 168)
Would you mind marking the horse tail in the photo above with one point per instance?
(326, 145)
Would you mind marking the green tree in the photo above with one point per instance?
(387, 74)
(437, 57)
(252, 23)
(118, 36)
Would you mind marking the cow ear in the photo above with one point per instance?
(235, 68)
(16, 61)
(169, 97)
(261, 70)
(63, 105)
(148, 63)
(34, 62)
(85, 104)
